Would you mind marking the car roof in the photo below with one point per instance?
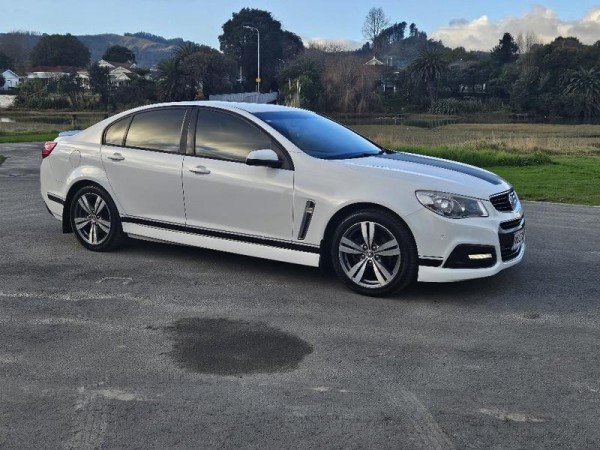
(248, 107)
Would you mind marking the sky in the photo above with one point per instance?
(474, 24)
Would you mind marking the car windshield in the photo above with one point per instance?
(318, 136)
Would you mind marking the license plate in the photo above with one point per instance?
(518, 239)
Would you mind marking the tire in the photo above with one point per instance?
(95, 219)
(374, 253)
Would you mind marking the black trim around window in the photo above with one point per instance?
(222, 235)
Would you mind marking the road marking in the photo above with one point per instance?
(509, 416)
(123, 280)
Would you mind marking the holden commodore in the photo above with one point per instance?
(284, 184)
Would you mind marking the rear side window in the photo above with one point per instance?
(157, 130)
(224, 136)
(115, 134)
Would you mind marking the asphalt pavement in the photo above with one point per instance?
(163, 346)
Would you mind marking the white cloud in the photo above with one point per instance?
(483, 33)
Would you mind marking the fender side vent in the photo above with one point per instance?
(309, 210)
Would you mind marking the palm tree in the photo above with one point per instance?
(170, 80)
(186, 49)
(428, 68)
(585, 83)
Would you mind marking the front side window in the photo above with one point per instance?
(221, 135)
(157, 130)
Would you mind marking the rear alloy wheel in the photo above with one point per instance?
(95, 219)
(374, 253)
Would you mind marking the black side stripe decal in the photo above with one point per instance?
(56, 199)
(222, 235)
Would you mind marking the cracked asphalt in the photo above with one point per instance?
(161, 346)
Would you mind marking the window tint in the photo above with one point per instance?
(116, 132)
(222, 135)
(157, 130)
(318, 136)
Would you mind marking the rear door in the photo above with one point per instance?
(142, 155)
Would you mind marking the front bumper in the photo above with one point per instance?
(438, 237)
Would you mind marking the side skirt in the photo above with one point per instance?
(310, 257)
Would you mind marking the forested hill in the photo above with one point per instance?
(147, 52)
(149, 49)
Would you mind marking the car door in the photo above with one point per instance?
(224, 194)
(142, 156)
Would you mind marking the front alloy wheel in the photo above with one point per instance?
(94, 219)
(374, 253)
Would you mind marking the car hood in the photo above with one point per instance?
(436, 173)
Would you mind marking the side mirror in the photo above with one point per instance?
(265, 157)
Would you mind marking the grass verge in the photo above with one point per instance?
(29, 137)
(481, 158)
(560, 179)
(569, 180)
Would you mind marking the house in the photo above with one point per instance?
(120, 73)
(374, 62)
(48, 73)
(11, 80)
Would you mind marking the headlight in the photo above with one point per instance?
(451, 205)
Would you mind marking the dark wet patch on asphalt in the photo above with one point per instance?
(230, 347)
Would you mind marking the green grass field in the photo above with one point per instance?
(558, 163)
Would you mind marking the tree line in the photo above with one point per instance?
(410, 72)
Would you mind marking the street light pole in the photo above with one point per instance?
(258, 58)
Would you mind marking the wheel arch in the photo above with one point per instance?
(339, 216)
(66, 216)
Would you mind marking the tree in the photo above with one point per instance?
(240, 44)
(586, 84)
(70, 85)
(207, 71)
(119, 54)
(59, 50)
(5, 62)
(170, 80)
(2, 81)
(15, 46)
(100, 83)
(506, 51)
(428, 68)
(374, 24)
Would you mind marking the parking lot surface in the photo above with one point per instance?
(162, 346)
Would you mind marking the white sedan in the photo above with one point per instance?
(284, 184)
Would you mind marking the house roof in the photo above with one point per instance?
(9, 72)
(374, 62)
(56, 69)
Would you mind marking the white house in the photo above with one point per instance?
(11, 80)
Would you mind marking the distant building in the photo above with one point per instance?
(119, 72)
(11, 80)
(52, 72)
(374, 62)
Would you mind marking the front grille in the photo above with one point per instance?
(502, 201)
(512, 224)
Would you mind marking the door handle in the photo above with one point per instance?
(116, 157)
(200, 170)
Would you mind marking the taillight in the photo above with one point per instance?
(48, 147)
